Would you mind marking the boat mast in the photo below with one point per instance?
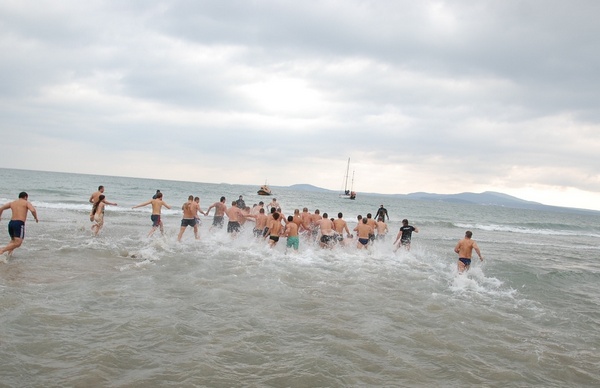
(346, 181)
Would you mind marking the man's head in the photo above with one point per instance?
(23, 195)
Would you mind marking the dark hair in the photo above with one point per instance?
(275, 216)
(222, 199)
(340, 215)
(290, 218)
(469, 234)
(405, 221)
(325, 215)
(23, 195)
(100, 187)
(95, 207)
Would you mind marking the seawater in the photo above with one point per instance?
(124, 310)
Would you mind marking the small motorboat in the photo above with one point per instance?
(264, 190)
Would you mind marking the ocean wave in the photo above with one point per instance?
(528, 230)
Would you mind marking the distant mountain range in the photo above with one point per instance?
(489, 198)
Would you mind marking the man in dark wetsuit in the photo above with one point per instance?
(16, 226)
(464, 248)
(240, 202)
(405, 235)
(382, 212)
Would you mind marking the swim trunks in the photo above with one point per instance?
(466, 262)
(274, 238)
(218, 221)
(185, 222)
(326, 239)
(363, 241)
(16, 229)
(405, 241)
(233, 226)
(155, 220)
(293, 242)
(265, 232)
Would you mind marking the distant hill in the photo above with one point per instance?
(307, 187)
(489, 198)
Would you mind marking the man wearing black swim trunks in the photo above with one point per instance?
(464, 248)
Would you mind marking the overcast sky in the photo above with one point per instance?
(435, 96)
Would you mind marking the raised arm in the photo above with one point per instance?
(143, 204)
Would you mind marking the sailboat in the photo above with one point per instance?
(348, 194)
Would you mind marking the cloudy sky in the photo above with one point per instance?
(435, 96)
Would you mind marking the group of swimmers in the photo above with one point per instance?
(328, 232)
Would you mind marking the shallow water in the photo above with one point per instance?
(126, 310)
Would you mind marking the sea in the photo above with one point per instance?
(126, 310)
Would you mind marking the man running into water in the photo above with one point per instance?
(464, 248)
(220, 209)
(405, 235)
(340, 226)
(325, 226)
(190, 211)
(291, 232)
(16, 226)
(273, 229)
(364, 231)
(234, 213)
(94, 197)
(157, 205)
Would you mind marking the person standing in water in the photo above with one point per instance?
(464, 248)
(157, 205)
(16, 226)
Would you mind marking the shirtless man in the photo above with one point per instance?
(157, 205)
(256, 208)
(94, 197)
(273, 229)
(296, 218)
(190, 211)
(306, 218)
(326, 230)
(340, 225)
(260, 227)
(314, 222)
(274, 204)
(16, 225)
(364, 232)
(373, 224)
(382, 229)
(220, 209)
(464, 248)
(291, 232)
(234, 214)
